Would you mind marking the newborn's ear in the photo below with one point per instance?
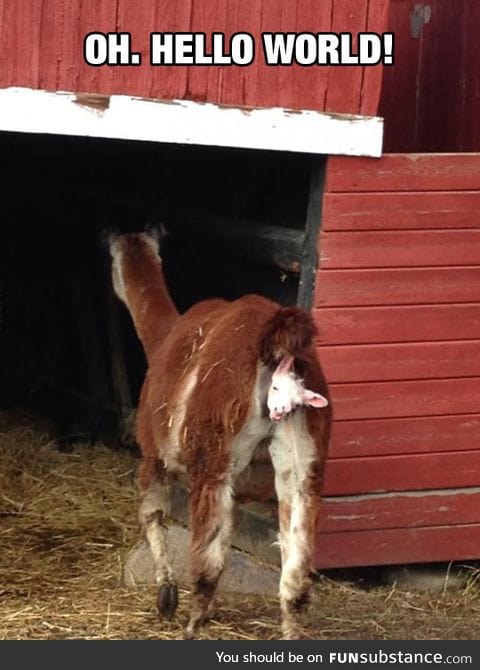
(285, 365)
(312, 399)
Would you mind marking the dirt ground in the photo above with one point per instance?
(68, 520)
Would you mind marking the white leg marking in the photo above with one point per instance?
(157, 539)
(296, 567)
(216, 551)
(154, 507)
(292, 465)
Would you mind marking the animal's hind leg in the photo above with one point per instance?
(154, 508)
(294, 459)
(211, 527)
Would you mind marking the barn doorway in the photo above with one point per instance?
(239, 221)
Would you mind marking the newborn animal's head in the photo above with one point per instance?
(287, 392)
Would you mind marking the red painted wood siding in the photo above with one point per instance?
(397, 304)
(41, 47)
(431, 95)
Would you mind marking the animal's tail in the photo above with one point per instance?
(290, 332)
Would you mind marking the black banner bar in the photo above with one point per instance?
(239, 655)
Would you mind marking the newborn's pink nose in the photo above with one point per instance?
(276, 415)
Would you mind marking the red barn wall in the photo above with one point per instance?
(398, 310)
(431, 95)
(42, 47)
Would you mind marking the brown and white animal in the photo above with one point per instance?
(221, 379)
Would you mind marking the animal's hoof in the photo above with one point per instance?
(167, 600)
(188, 634)
(301, 601)
(193, 629)
(293, 634)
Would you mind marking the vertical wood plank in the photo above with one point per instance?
(441, 86)
(139, 24)
(206, 83)
(313, 221)
(4, 70)
(268, 77)
(74, 74)
(471, 135)
(290, 80)
(236, 79)
(20, 43)
(171, 82)
(373, 76)
(345, 81)
(51, 29)
(310, 84)
(400, 82)
(249, 77)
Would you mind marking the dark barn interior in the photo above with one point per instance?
(238, 222)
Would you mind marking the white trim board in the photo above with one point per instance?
(186, 122)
